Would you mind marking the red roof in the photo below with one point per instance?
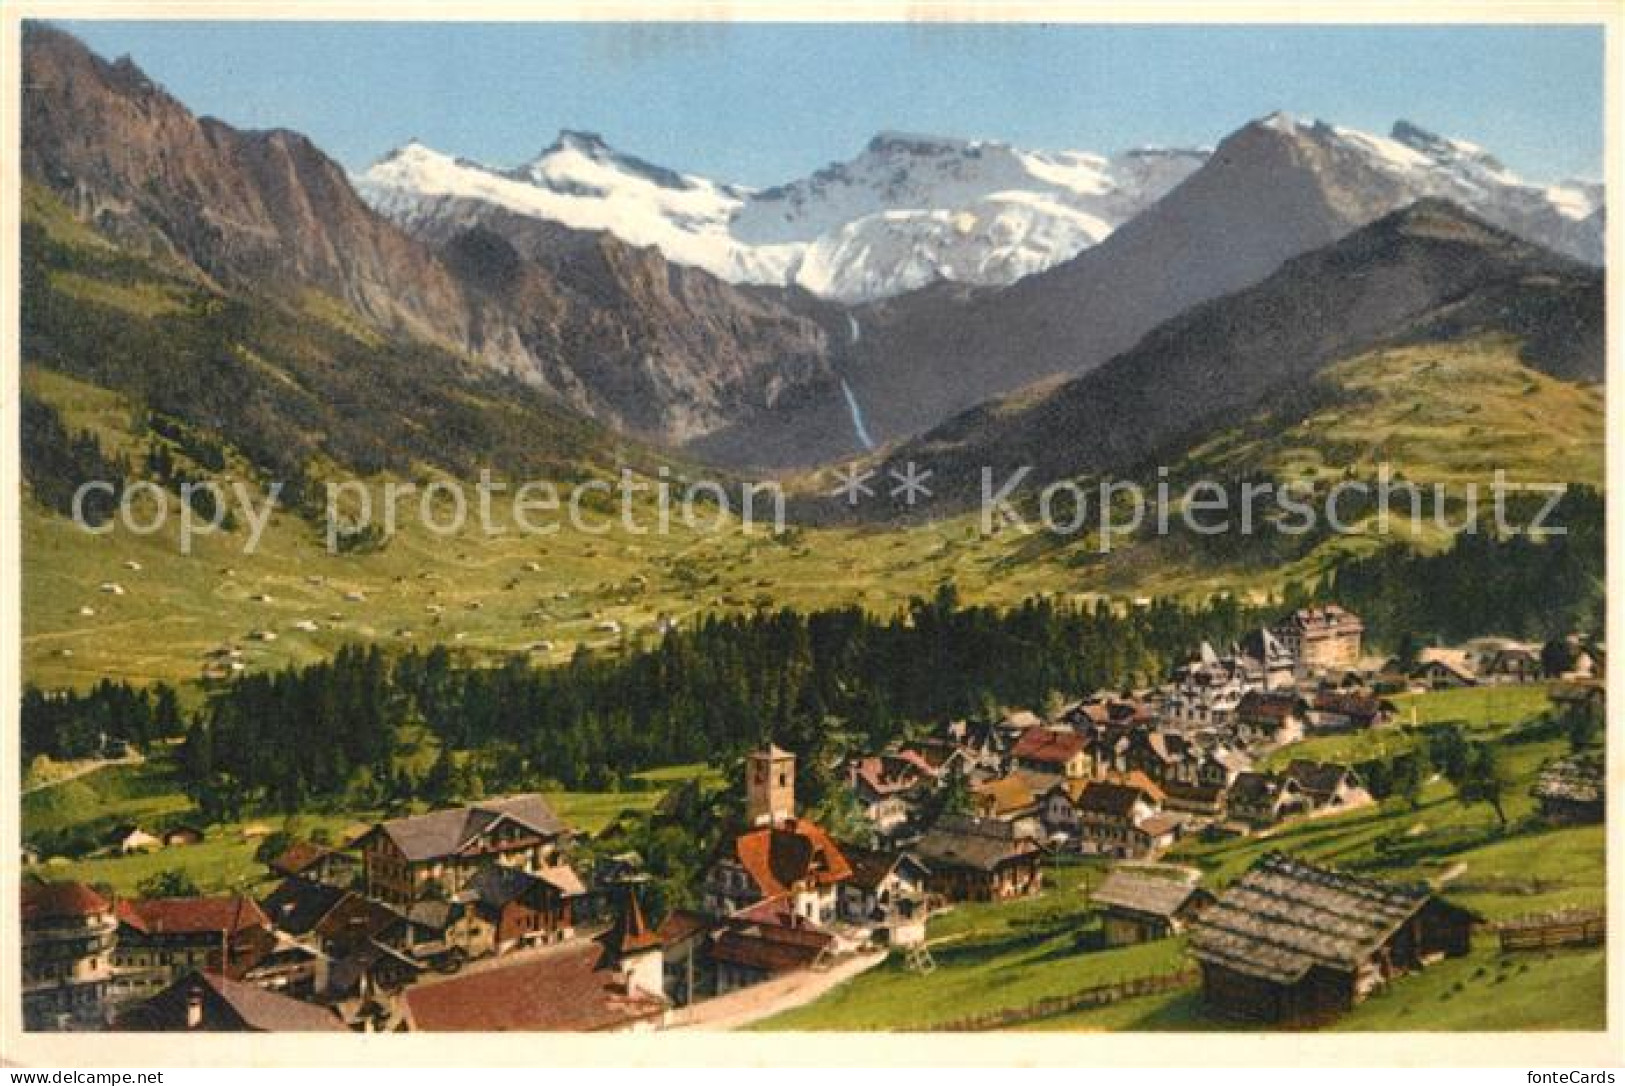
(191, 915)
(769, 947)
(891, 774)
(1048, 745)
(60, 901)
(562, 989)
(793, 852)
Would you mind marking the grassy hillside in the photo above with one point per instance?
(149, 795)
(992, 957)
(299, 390)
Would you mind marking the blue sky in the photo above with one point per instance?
(759, 104)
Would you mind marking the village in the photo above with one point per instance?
(483, 917)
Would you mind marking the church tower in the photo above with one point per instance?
(770, 786)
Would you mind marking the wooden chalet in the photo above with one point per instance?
(979, 859)
(1139, 905)
(160, 940)
(435, 854)
(1294, 943)
(524, 909)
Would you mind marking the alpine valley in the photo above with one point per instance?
(382, 672)
(235, 303)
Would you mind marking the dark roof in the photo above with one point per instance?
(566, 988)
(344, 974)
(1259, 705)
(871, 866)
(297, 906)
(299, 857)
(1356, 704)
(1318, 778)
(1146, 892)
(498, 884)
(229, 1005)
(60, 901)
(1113, 800)
(444, 833)
(1251, 788)
(980, 843)
(1284, 917)
(631, 932)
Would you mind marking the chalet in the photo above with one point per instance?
(1139, 905)
(1110, 817)
(1266, 659)
(1263, 799)
(885, 887)
(1009, 799)
(68, 934)
(179, 836)
(609, 984)
(295, 906)
(1294, 943)
(1335, 711)
(524, 909)
(316, 863)
(350, 923)
(1060, 753)
(1271, 719)
(886, 787)
(976, 859)
(1321, 638)
(1326, 785)
(794, 859)
(1058, 811)
(203, 1002)
(363, 985)
(1571, 790)
(160, 940)
(128, 839)
(764, 942)
(441, 934)
(1441, 669)
(278, 962)
(979, 745)
(435, 854)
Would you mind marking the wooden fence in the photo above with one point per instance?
(1099, 995)
(1556, 930)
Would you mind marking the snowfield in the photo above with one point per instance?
(909, 211)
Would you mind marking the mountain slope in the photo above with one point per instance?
(1271, 191)
(1430, 271)
(664, 353)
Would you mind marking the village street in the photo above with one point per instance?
(740, 1008)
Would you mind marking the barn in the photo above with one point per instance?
(1297, 944)
(1139, 905)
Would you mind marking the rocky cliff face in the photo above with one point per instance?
(664, 352)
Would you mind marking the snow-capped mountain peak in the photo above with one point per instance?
(910, 209)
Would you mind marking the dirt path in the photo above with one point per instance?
(134, 758)
(747, 1005)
